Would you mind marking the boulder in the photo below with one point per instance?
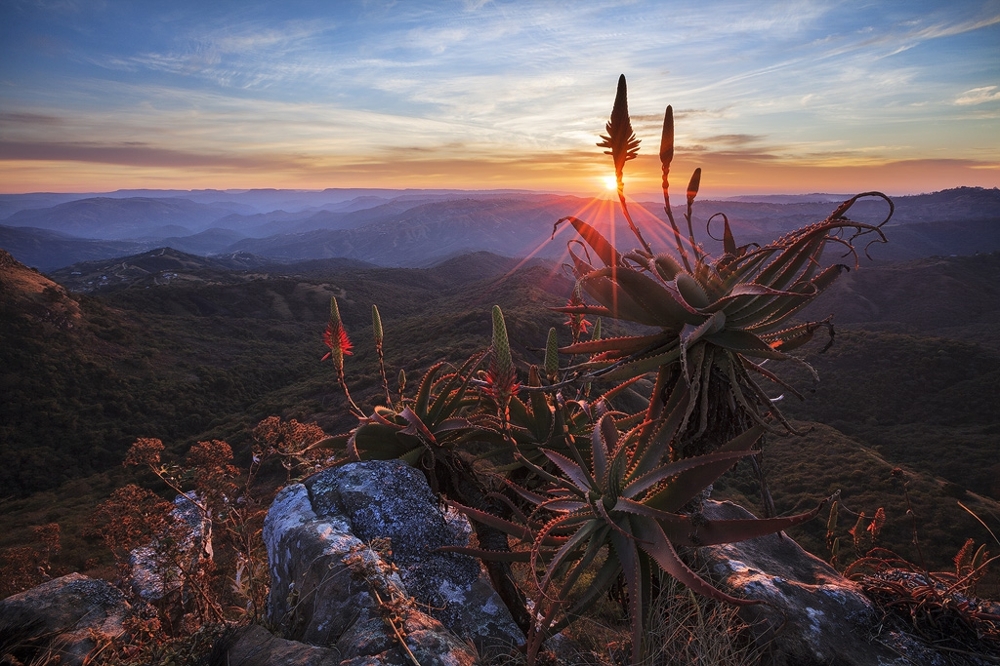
(64, 620)
(256, 646)
(194, 530)
(355, 565)
(810, 614)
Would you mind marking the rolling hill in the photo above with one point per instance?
(422, 227)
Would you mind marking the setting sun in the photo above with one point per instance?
(610, 182)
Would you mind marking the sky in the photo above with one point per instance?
(768, 97)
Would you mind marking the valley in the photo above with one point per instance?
(186, 347)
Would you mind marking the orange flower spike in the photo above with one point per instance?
(335, 337)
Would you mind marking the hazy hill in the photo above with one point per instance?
(417, 228)
(116, 219)
(915, 369)
(47, 250)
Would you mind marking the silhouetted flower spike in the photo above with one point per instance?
(620, 139)
(692, 192)
(693, 186)
(666, 157)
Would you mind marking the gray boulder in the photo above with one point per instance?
(810, 615)
(65, 620)
(195, 544)
(354, 565)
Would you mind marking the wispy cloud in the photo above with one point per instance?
(502, 83)
(978, 96)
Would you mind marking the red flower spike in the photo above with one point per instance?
(577, 324)
(335, 337)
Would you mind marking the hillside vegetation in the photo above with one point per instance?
(208, 354)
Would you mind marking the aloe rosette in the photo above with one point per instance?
(619, 512)
(721, 318)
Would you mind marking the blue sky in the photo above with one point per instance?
(769, 97)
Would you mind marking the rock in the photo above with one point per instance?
(256, 646)
(810, 615)
(195, 542)
(335, 583)
(67, 618)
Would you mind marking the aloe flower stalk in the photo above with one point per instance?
(552, 355)
(377, 332)
(501, 378)
(335, 337)
(622, 146)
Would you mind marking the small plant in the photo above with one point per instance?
(23, 567)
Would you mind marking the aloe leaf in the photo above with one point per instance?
(541, 413)
(748, 295)
(412, 457)
(796, 336)
(610, 293)
(603, 579)
(628, 555)
(454, 423)
(666, 267)
(625, 344)
(604, 432)
(416, 427)
(761, 370)
(614, 391)
(690, 481)
(661, 300)
(655, 543)
(451, 397)
(685, 473)
(692, 292)
(580, 478)
(714, 532)
(518, 531)
(605, 250)
(375, 441)
(654, 444)
(744, 342)
(595, 310)
(728, 242)
(579, 537)
(424, 391)
(627, 369)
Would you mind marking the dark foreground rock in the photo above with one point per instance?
(66, 620)
(810, 615)
(355, 567)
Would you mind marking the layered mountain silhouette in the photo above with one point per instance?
(419, 228)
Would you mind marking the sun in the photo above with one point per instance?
(610, 182)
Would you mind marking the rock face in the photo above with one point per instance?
(64, 619)
(354, 566)
(810, 615)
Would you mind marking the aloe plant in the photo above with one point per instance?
(591, 489)
(714, 322)
(619, 513)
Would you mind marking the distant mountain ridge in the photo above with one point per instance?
(417, 228)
